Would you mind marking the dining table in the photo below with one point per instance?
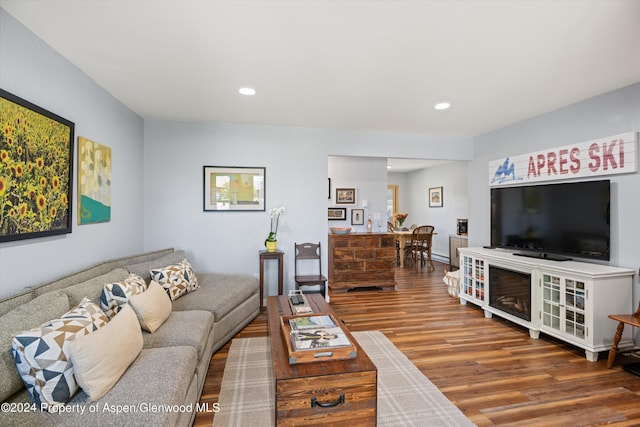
(403, 237)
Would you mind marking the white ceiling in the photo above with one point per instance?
(410, 165)
(365, 65)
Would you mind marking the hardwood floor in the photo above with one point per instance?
(491, 369)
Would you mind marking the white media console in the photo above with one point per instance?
(569, 300)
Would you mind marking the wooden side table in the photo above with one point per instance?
(279, 256)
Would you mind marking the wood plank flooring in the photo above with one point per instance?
(491, 369)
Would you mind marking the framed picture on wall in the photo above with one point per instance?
(345, 195)
(357, 216)
(435, 197)
(337, 214)
(36, 170)
(233, 188)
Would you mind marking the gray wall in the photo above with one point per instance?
(602, 116)
(297, 167)
(452, 177)
(414, 187)
(32, 70)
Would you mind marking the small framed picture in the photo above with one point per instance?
(337, 214)
(435, 197)
(357, 216)
(345, 195)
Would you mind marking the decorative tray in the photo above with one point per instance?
(316, 337)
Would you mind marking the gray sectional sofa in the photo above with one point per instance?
(163, 384)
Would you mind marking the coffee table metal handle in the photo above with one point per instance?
(314, 402)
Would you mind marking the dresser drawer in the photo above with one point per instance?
(341, 399)
(346, 266)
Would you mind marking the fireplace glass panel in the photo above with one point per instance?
(510, 291)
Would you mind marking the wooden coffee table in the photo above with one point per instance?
(336, 392)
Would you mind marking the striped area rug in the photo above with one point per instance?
(405, 396)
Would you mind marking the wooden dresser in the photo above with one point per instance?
(362, 260)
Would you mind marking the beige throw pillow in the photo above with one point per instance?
(99, 359)
(152, 307)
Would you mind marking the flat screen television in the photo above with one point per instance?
(566, 219)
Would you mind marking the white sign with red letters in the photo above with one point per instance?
(605, 156)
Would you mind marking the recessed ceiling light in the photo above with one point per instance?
(442, 106)
(247, 91)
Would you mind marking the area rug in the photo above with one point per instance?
(405, 396)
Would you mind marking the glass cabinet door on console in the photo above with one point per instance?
(473, 283)
(563, 306)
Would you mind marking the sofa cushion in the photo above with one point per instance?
(219, 293)
(99, 359)
(176, 279)
(42, 354)
(153, 379)
(23, 318)
(142, 269)
(159, 376)
(190, 328)
(152, 307)
(92, 288)
(115, 295)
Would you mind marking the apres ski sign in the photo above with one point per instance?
(605, 156)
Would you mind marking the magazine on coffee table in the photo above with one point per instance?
(316, 337)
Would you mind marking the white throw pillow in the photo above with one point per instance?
(152, 307)
(100, 358)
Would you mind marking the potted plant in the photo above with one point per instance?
(272, 239)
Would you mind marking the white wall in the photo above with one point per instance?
(452, 177)
(296, 161)
(32, 70)
(368, 175)
(602, 116)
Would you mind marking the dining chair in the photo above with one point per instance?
(420, 248)
(390, 229)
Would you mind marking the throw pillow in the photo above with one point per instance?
(177, 279)
(42, 354)
(190, 275)
(116, 295)
(100, 359)
(152, 307)
(22, 318)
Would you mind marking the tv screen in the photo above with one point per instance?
(569, 219)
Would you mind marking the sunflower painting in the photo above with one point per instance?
(36, 166)
(94, 182)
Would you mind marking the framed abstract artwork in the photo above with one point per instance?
(232, 189)
(94, 182)
(36, 168)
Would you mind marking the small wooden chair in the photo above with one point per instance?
(309, 252)
(623, 319)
